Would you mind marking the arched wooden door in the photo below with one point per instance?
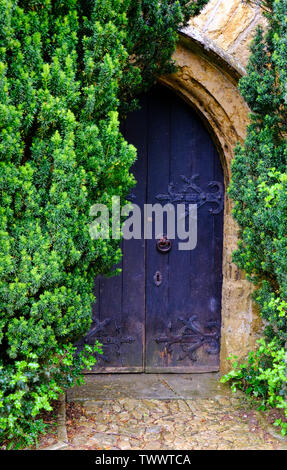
(163, 313)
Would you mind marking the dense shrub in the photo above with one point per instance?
(67, 69)
(259, 191)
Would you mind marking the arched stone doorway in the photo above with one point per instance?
(207, 80)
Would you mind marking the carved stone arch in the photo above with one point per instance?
(207, 79)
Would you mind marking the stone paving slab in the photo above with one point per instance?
(153, 386)
(164, 412)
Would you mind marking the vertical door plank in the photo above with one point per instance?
(134, 260)
(157, 182)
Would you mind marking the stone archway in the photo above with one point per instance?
(207, 79)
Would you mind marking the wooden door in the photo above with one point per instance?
(162, 314)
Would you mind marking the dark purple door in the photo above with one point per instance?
(163, 312)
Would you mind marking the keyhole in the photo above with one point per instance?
(157, 278)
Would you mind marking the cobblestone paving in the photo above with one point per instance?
(181, 424)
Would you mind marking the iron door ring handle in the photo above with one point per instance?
(164, 245)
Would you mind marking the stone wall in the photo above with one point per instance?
(231, 25)
(212, 54)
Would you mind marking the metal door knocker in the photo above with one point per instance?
(164, 245)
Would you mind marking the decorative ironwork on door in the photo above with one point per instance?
(191, 337)
(191, 193)
(111, 343)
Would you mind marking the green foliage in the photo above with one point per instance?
(28, 386)
(67, 69)
(264, 377)
(197, 6)
(259, 190)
